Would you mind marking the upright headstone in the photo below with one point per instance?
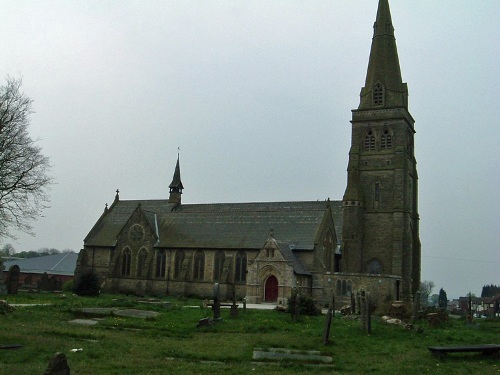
(353, 303)
(3, 288)
(58, 365)
(234, 306)
(363, 310)
(216, 305)
(13, 279)
(358, 303)
(368, 315)
(329, 315)
(294, 304)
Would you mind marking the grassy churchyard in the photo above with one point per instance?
(171, 342)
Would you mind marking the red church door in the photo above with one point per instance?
(271, 289)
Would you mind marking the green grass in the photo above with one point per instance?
(171, 343)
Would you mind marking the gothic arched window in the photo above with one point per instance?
(179, 259)
(161, 263)
(374, 267)
(199, 265)
(378, 95)
(386, 140)
(218, 264)
(126, 260)
(369, 141)
(240, 272)
(141, 261)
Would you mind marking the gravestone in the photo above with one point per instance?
(294, 304)
(13, 279)
(234, 306)
(353, 303)
(362, 305)
(58, 365)
(328, 322)
(3, 288)
(216, 304)
(43, 283)
(357, 303)
(368, 315)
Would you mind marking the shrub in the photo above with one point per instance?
(68, 286)
(87, 284)
(307, 306)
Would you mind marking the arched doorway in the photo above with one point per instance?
(271, 289)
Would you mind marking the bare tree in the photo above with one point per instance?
(23, 169)
(425, 291)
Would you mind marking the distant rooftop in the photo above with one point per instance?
(57, 264)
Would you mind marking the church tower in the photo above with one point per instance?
(380, 216)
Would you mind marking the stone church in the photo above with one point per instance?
(369, 239)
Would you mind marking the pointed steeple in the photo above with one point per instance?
(384, 87)
(176, 185)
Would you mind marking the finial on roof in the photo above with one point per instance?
(106, 208)
(117, 196)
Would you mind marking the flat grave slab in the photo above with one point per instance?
(279, 354)
(85, 322)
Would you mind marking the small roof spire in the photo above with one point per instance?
(176, 184)
(117, 196)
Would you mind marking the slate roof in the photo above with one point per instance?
(57, 264)
(223, 225)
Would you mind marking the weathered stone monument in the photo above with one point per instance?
(294, 304)
(366, 314)
(234, 306)
(329, 315)
(216, 304)
(58, 365)
(13, 279)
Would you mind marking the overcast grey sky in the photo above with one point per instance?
(258, 96)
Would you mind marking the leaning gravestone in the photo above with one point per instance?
(329, 315)
(58, 365)
(13, 279)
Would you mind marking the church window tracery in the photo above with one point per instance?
(386, 140)
(199, 265)
(378, 95)
(126, 260)
(241, 267)
(141, 261)
(161, 262)
(369, 141)
(218, 264)
(179, 259)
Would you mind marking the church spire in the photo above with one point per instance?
(176, 185)
(384, 87)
